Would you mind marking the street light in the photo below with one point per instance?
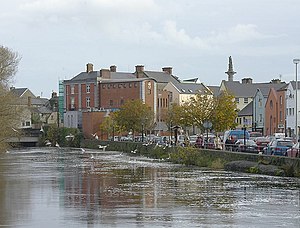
(296, 62)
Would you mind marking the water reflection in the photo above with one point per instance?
(59, 188)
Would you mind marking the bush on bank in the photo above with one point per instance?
(215, 159)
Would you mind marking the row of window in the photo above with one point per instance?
(87, 89)
(119, 86)
(162, 102)
(87, 102)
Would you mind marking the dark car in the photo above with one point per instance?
(262, 142)
(278, 147)
(250, 147)
(294, 151)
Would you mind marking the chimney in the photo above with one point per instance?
(105, 73)
(54, 94)
(89, 67)
(29, 101)
(247, 81)
(113, 68)
(167, 70)
(139, 71)
(276, 81)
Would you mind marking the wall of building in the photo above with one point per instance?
(113, 95)
(91, 122)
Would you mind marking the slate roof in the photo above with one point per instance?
(190, 88)
(162, 77)
(248, 90)
(214, 89)
(84, 76)
(294, 84)
(18, 91)
(247, 110)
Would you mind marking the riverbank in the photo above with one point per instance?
(215, 159)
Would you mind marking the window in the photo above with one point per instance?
(260, 118)
(259, 102)
(121, 102)
(237, 100)
(72, 102)
(280, 116)
(271, 104)
(245, 100)
(281, 101)
(111, 102)
(88, 88)
(103, 86)
(88, 102)
(72, 89)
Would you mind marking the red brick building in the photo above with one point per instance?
(108, 89)
(275, 112)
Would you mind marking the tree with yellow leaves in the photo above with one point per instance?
(134, 116)
(9, 61)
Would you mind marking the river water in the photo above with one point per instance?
(63, 188)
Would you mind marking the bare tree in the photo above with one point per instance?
(9, 116)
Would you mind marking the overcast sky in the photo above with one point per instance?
(57, 38)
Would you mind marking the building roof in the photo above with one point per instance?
(190, 87)
(249, 89)
(18, 91)
(84, 76)
(214, 89)
(247, 110)
(122, 75)
(294, 84)
(162, 77)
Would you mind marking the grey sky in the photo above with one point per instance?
(56, 38)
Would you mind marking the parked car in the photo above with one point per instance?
(255, 134)
(294, 151)
(231, 136)
(278, 147)
(193, 139)
(250, 147)
(261, 142)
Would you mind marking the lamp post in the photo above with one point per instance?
(296, 62)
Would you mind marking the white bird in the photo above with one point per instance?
(57, 145)
(134, 151)
(95, 135)
(47, 143)
(92, 157)
(15, 130)
(102, 147)
(82, 150)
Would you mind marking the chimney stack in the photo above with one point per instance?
(139, 71)
(89, 67)
(113, 68)
(247, 81)
(167, 70)
(105, 73)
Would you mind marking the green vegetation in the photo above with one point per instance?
(65, 137)
(9, 114)
(220, 111)
(134, 116)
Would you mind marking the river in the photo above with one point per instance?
(53, 187)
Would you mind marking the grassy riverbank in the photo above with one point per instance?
(215, 159)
